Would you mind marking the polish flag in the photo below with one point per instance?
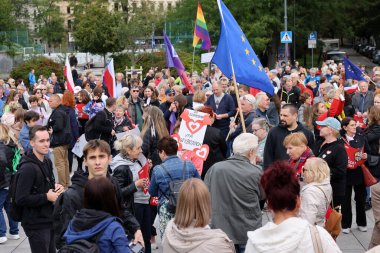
(109, 78)
(351, 89)
(68, 75)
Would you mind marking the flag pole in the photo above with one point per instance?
(192, 66)
(239, 105)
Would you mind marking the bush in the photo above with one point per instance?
(157, 59)
(41, 65)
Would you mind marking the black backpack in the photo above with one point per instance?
(16, 210)
(90, 132)
(174, 187)
(83, 246)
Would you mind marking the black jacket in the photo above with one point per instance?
(274, 147)
(119, 127)
(72, 200)
(372, 135)
(35, 180)
(6, 168)
(335, 155)
(104, 124)
(217, 145)
(59, 121)
(355, 176)
(149, 147)
(124, 177)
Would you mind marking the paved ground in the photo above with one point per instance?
(355, 242)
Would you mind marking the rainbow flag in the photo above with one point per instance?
(201, 37)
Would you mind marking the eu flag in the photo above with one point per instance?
(234, 54)
(352, 71)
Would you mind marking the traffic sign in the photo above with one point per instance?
(313, 36)
(286, 37)
(312, 40)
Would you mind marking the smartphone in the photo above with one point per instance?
(137, 248)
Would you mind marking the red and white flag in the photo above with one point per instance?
(68, 75)
(109, 78)
(351, 89)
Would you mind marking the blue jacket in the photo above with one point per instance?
(159, 184)
(24, 138)
(88, 223)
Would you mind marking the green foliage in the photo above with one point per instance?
(156, 59)
(97, 30)
(41, 65)
(50, 22)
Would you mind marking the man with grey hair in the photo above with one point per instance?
(119, 85)
(248, 106)
(362, 100)
(234, 186)
(266, 109)
(223, 106)
(324, 89)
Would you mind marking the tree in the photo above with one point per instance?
(49, 21)
(97, 30)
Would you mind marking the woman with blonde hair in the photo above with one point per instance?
(316, 194)
(8, 150)
(189, 230)
(9, 116)
(298, 151)
(126, 166)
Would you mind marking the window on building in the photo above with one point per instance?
(161, 6)
(35, 28)
(169, 6)
(134, 6)
(116, 6)
(69, 24)
(68, 10)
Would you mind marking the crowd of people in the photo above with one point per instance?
(297, 152)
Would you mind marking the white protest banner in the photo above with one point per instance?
(206, 57)
(79, 145)
(193, 128)
(134, 131)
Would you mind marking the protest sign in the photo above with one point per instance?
(79, 145)
(193, 128)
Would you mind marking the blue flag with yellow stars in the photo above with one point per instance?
(352, 71)
(234, 54)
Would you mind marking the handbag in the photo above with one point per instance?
(368, 178)
(373, 160)
(333, 218)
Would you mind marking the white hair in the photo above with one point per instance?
(245, 143)
(250, 98)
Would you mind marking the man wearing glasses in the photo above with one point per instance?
(135, 107)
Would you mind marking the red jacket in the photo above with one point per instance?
(335, 110)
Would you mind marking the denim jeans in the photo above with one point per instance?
(4, 203)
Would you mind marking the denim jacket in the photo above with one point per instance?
(159, 184)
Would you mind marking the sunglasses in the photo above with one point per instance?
(135, 90)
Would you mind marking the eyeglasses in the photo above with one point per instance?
(255, 130)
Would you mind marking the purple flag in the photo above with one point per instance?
(172, 121)
(172, 58)
(173, 61)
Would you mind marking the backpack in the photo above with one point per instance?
(16, 210)
(83, 246)
(90, 132)
(174, 187)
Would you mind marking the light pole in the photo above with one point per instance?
(286, 29)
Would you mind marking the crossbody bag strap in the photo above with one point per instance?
(316, 238)
(327, 200)
(167, 172)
